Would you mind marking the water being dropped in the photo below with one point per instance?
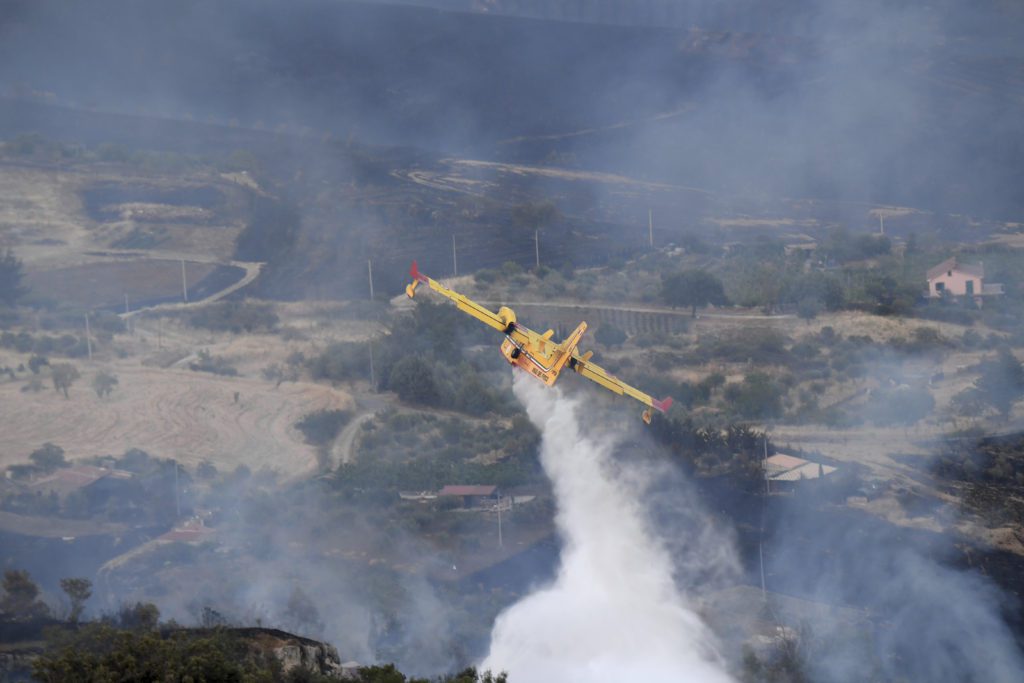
(613, 612)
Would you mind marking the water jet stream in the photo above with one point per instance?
(613, 612)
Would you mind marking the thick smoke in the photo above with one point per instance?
(614, 612)
(931, 621)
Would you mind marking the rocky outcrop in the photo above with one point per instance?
(320, 657)
(296, 651)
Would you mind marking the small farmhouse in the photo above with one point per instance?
(951, 278)
(471, 496)
(68, 480)
(783, 472)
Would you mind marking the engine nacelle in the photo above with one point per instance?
(507, 316)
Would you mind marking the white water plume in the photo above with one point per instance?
(614, 612)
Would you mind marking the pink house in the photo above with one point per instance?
(958, 279)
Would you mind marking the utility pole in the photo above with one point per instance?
(373, 380)
(881, 224)
(650, 228)
(536, 247)
(455, 259)
(369, 267)
(764, 501)
(88, 337)
(126, 311)
(177, 500)
(500, 543)
(184, 282)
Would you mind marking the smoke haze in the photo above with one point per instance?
(614, 612)
(748, 104)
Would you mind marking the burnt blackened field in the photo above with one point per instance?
(807, 118)
(883, 103)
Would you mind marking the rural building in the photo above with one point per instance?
(472, 496)
(783, 472)
(952, 278)
(66, 481)
(802, 248)
(191, 531)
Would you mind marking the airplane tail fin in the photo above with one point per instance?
(415, 274)
(570, 343)
(663, 405)
(417, 278)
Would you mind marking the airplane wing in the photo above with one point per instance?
(503, 321)
(595, 373)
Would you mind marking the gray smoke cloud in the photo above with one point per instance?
(931, 621)
(614, 611)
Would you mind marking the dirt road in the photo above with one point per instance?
(252, 271)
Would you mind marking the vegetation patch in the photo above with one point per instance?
(235, 316)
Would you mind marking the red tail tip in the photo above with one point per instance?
(664, 404)
(414, 272)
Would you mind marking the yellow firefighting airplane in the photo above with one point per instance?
(536, 353)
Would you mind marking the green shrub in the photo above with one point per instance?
(323, 426)
(610, 335)
(758, 396)
(235, 316)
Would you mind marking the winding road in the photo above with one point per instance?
(252, 271)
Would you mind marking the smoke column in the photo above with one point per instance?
(613, 612)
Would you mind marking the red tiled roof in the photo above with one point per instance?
(467, 491)
(810, 470)
(192, 530)
(781, 467)
(781, 462)
(951, 264)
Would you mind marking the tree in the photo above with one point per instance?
(142, 616)
(78, 591)
(692, 288)
(808, 309)
(11, 274)
(103, 383)
(64, 375)
(35, 362)
(100, 652)
(824, 288)
(20, 600)
(610, 335)
(413, 380)
(48, 457)
(757, 397)
(321, 427)
(206, 470)
(889, 296)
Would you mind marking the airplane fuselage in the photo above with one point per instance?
(544, 369)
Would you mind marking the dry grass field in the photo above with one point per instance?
(69, 225)
(105, 284)
(169, 413)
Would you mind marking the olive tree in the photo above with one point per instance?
(64, 375)
(692, 289)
